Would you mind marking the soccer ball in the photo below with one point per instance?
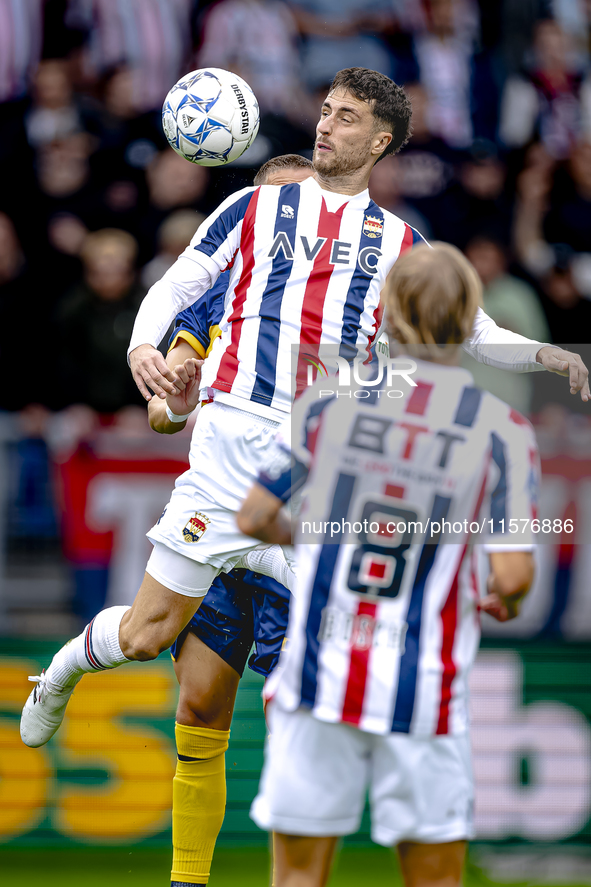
(210, 117)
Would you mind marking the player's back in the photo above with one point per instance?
(384, 628)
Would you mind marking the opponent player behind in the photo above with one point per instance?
(372, 692)
(308, 262)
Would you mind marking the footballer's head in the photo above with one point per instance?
(284, 170)
(431, 296)
(364, 117)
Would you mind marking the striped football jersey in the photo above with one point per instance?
(384, 625)
(306, 267)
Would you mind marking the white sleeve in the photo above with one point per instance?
(210, 252)
(497, 347)
(511, 503)
(189, 278)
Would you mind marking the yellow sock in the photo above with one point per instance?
(198, 801)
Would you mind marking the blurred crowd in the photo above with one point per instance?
(94, 207)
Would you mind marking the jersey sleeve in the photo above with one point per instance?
(514, 482)
(501, 348)
(199, 324)
(212, 250)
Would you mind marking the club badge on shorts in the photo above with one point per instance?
(195, 527)
(372, 227)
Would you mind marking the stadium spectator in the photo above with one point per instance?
(512, 302)
(385, 187)
(569, 219)
(95, 321)
(16, 285)
(174, 235)
(256, 39)
(151, 37)
(552, 100)
(172, 184)
(127, 138)
(568, 312)
(444, 50)
(21, 33)
(514, 305)
(337, 34)
(534, 186)
(64, 178)
(32, 518)
(427, 165)
(478, 200)
(53, 114)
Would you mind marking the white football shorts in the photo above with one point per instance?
(317, 774)
(227, 450)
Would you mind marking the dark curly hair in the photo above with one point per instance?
(390, 104)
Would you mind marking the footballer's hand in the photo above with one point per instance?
(189, 375)
(149, 370)
(502, 608)
(566, 363)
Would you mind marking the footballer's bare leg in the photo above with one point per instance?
(154, 620)
(302, 861)
(432, 865)
(208, 688)
(115, 636)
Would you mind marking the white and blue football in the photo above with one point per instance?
(210, 117)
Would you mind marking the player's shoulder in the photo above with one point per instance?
(237, 202)
(504, 420)
(412, 236)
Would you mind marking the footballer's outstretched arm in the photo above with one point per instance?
(510, 578)
(261, 516)
(498, 347)
(186, 364)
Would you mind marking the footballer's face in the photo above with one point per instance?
(289, 176)
(348, 137)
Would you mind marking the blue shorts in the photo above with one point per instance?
(242, 608)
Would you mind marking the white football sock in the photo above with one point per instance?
(96, 649)
(270, 561)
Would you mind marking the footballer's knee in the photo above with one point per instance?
(207, 686)
(210, 706)
(145, 642)
(141, 649)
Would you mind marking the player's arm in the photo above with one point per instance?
(514, 471)
(510, 578)
(498, 347)
(186, 364)
(211, 250)
(283, 475)
(261, 516)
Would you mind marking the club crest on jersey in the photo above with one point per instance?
(195, 527)
(372, 227)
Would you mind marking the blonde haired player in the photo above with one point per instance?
(372, 692)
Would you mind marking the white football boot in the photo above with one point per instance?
(43, 712)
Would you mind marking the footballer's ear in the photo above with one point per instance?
(380, 142)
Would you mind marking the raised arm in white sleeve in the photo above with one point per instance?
(211, 250)
(497, 347)
(184, 283)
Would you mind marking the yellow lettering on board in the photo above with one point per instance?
(137, 799)
(24, 771)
